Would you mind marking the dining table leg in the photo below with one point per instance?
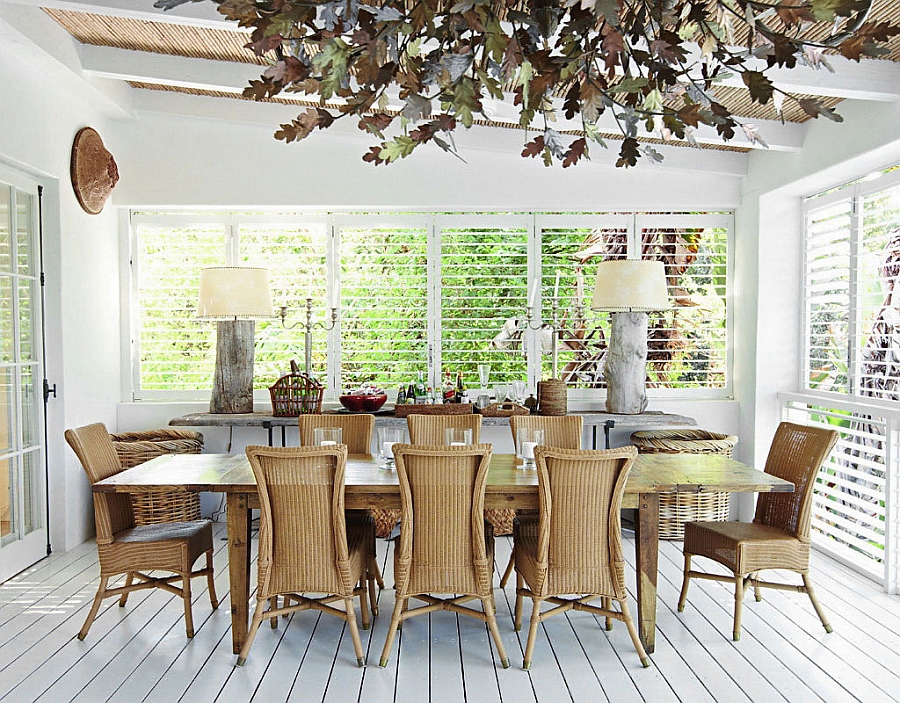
(238, 516)
(647, 555)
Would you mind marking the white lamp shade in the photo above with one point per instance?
(630, 285)
(234, 292)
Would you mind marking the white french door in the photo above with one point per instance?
(23, 530)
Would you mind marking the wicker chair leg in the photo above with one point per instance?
(392, 629)
(739, 589)
(376, 573)
(807, 584)
(372, 578)
(101, 594)
(258, 616)
(517, 615)
(364, 604)
(532, 632)
(211, 581)
(273, 606)
(606, 604)
(632, 631)
(509, 569)
(188, 615)
(491, 615)
(686, 581)
(129, 579)
(757, 590)
(354, 630)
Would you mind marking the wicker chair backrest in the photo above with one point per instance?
(442, 541)
(796, 454)
(302, 529)
(429, 429)
(563, 431)
(356, 430)
(97, 454)
(579, 535)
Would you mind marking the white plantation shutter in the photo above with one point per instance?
(688, 344)
(176, 350)
(484, 274)
(294, 251)
(384, 301)
(827, 295)
(573, 246)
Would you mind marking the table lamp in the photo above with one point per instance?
(235, 296)
(628, 288)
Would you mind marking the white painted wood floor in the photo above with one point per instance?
(140, 653)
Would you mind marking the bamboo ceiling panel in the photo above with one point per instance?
(157, 37)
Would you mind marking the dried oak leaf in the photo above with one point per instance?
(814, 108)
(759, 85)
(793, 12)
(862, 43)
(629, 153)
(534, 147)
(577, 150)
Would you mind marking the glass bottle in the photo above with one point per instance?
(401, 396)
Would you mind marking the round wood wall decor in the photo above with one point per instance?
(93, 169)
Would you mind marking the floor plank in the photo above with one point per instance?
(140, 653)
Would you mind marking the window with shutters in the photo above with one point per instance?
(427, 293)
(852, 366)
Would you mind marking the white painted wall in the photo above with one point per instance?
(769, 235)
(41, 108)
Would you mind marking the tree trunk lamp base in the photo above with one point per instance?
(233, 383)
(626, 364)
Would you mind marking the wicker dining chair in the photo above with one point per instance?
(561, 431)
(778, 537)
(356, 430)
(129, 549)
(445, 547)
(306, 544)
(578, 546)
(356, 433)
(429, 429)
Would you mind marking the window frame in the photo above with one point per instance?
(433, 220)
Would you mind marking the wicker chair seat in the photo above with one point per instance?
(166, 546)
(745, 547)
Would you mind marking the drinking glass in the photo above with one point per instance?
(501, 392)
(327, 436)
(526, 440)
(519, 391)
(484, 374)
(387, 438)
(457, 436)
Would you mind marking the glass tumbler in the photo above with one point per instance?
(327, 436)
(457, 436)
(526, 440)
(387, 438)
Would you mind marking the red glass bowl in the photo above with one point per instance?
(363, 403)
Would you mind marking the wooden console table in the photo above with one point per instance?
(594, 420)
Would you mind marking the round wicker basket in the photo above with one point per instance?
(135, 448)
(675, 509)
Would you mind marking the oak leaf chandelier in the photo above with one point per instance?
(412, 71)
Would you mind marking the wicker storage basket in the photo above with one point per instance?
(296, 394)
(676, 508)
(135, 448)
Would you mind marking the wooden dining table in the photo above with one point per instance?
(368, 485)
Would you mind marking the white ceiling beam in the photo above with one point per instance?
(204, 74)
(868, 79)
(145, 67)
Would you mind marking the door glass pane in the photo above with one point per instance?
(26, 319)
(24, 225)
(7, 410)
(7, 502)
(31, 486)
(31, 403)
(7, 328)
(5, 237)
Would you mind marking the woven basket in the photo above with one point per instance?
(552, 397)
(507, 409)
(135, 448)
(296, 394)
(441, 409)
(677, 508)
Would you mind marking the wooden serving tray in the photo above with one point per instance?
(443, 409)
